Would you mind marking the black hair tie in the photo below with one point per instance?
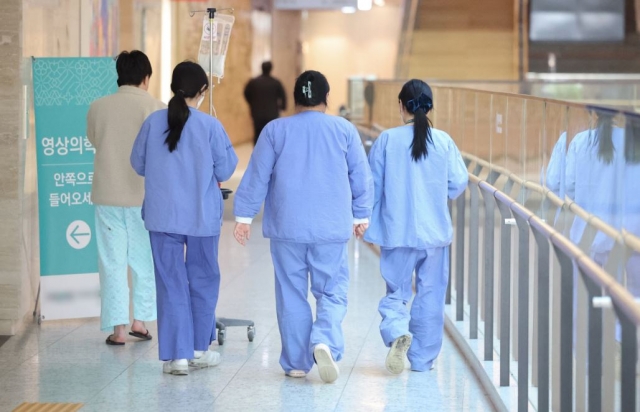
(423, 102)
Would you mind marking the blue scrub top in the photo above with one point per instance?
(410, 208)
(181, 187)
(598, 187)
(311, 171)
(555, 179)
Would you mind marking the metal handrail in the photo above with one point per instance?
(597, 223)
(598, 282)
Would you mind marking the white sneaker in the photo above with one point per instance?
(176, 367)
(397, 354)
(327, 367)
(206, 359)
(295, 373)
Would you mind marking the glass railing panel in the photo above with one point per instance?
(530, 144)
(498, 119)
(482, 119)
(630, 194)
(456, 125)
(514, 130)
(441, 114)
(468, 108)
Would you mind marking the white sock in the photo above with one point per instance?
(198, 354)
(181, 362)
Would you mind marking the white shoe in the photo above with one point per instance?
(327, 367)
(176, 367)
(206, 359)
(295, 373)
(397, 354)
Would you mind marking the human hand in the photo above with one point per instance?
(242, 233)
(359, 229)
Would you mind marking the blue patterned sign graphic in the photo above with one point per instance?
(63, 90)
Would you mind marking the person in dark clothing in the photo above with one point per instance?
(266, 99)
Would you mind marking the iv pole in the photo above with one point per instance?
(212, 14)
(222, 323)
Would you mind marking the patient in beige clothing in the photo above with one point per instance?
(113, 123)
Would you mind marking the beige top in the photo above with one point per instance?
(113, 123)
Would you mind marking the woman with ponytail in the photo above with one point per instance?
(595, 161)
(183, 155)
(416, 169)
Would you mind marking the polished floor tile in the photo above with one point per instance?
(67, 361)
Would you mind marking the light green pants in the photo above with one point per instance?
(123, 243)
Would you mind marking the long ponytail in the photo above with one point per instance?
(421, 135)
(178, 114)
(604, 136)
(417, 99)
(189, 80)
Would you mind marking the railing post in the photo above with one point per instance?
(493, 177)
(460, 229)
(580, 326)
(594, 392)
(629, 360)
(447, 299)
(566, 330)
(523, 312)
(508, 186)
(474, 229)
(609, 345)
(505, 292)
(544, 328)
(489, 227)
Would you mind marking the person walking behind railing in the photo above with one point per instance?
(415, 168)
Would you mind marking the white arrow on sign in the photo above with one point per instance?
(78, 234)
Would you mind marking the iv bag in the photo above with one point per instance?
(222, 24)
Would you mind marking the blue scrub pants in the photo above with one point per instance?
(123, 243)
(187, 293)
(328, 268)
(426, 319)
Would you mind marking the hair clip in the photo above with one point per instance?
(306, 90)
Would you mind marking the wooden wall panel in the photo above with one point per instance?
(463, 55)
(465, 40)
(465, 14)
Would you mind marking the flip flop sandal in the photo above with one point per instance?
(113, 342)
(142, 336)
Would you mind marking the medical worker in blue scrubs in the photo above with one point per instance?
(311, 171)
(183, 154)
(416, 169)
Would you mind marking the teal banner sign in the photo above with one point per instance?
(63, 90)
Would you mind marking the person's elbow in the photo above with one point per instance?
(137, 164)
(458, 187)
(224, 175)
(139, 170)
(224, 172)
